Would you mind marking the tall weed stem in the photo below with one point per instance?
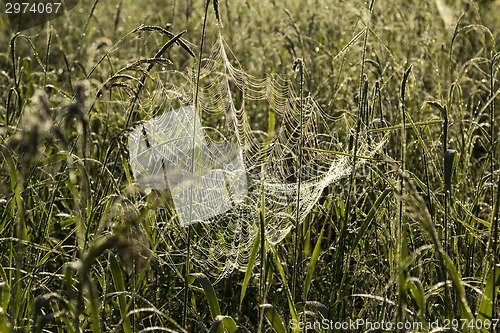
(193, 143)
(298, 65)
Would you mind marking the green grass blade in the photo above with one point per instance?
(223, 322)
(281, 270)
(251, 263)
(4, 327)
(119, 283)
(94, 307)
(213, 303)
(486, 307)
(271, 124)
(4, 302)
(414, 285)
(273, 318)
(369, 217)
(318, 307)
(4, 295)
(312, 265)
(459, 286)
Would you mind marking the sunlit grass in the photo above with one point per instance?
(411, 236)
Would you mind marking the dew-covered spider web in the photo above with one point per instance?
(253, 148)
(171, 151)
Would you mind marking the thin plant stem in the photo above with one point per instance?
(193, 143)
(494, 227)
(494, 239)
(299, 63)
(445, 145)
(445, 214)
(262, 234)
(400, 230)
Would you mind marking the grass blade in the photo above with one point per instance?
(414, 285)
(213, 303)
(273, 318)
(281, 270)
(119, 284)
(486, 307)
(312, 265)
(223, 322)
(251, 263)
(3, 321)
(369, 217)
(4, 302)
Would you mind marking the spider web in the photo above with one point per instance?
(221, 184)
(170, 151)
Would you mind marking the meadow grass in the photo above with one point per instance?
(411, 236)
